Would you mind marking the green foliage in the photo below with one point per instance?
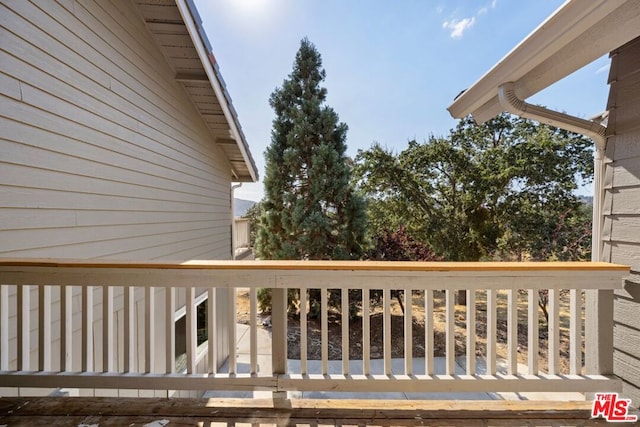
(556, 233)
(502, 189)
(310, 210)
(253, 214)
(264, 300)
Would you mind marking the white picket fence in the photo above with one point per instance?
(111, 325)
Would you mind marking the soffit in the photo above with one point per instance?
(180, 37)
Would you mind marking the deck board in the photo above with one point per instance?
(296, 412)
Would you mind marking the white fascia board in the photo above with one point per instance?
(203, 54)
(575, 35)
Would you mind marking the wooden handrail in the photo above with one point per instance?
(399, 266)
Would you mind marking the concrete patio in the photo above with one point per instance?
(377, 367)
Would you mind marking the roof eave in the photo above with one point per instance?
(193, 24)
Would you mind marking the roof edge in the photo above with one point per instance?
(567, 24)
(193, 23)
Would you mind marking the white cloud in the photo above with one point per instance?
(458, 27)
(603, 69)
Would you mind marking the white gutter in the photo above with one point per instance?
(511, 103)
(578, 33)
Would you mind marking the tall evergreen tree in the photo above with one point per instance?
(310, 209)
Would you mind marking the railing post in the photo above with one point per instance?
(279, 336)
(599, 332)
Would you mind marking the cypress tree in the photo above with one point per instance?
(310, 208)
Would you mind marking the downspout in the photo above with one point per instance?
(511, 103)
(598, 196)
(233, 221)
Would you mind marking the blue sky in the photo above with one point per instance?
(392, 66)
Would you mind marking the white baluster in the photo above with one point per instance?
(512, 330)
(107, 329)
(408, 332)
(170, 330)
(428, 332)
(450, 344)
(345, 330)
(471, 332)
(491, 331)
(533, 332)
(554, 332)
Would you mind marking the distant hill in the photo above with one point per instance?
(587, 200)
(241, 206)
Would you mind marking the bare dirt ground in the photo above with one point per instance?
(397, 327)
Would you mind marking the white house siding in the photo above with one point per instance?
(102, 154)
(621, 231)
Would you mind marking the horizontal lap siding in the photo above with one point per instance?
(102, 153)
(621, 210)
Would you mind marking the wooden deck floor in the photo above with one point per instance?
(155, 412)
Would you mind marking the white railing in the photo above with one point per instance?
(242, 228)
(101, 324)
